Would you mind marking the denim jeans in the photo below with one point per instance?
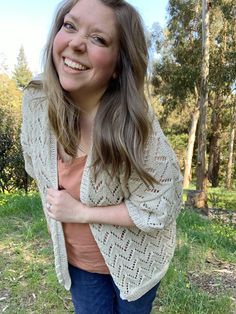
(94, 293)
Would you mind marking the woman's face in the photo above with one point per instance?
(85, 50)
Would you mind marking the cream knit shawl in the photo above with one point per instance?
(137, 257)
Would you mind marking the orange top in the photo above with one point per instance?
(82, 249)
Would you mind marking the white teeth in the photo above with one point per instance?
(74, 65)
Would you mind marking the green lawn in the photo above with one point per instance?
(219, 198)
(200, 280)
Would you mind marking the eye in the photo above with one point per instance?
(99, 40)
(68, 26)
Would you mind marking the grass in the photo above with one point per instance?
(222, 198)
(28, 281)
(219, 198)
(202, 247)
(199, 280)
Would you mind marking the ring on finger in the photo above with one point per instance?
(49, 206)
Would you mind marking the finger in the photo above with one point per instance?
(57, 193)
(51, 215)
(52, 195)
(49, 207)
(53, 192)
(49, 199)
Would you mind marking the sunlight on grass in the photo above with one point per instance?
(218, 198)
(29, 284)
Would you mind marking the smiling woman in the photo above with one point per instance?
(84, 55)
(109, 181)
(31, 19)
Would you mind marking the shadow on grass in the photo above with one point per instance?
(29, 284)
(28, 280)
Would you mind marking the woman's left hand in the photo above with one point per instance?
(63, 207)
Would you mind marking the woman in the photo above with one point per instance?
(109, 181)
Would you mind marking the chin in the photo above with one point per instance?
(69, 86)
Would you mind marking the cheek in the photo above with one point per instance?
(58, 45)
(106, 61)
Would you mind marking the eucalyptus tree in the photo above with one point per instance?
(177, 73)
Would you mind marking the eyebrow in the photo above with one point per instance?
(96, 29)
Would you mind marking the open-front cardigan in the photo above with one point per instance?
(137, 257)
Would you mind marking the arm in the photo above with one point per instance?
(147, 207)
(65, 208)
(155, 207)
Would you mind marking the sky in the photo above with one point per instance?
(27, 23)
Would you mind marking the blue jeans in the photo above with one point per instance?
(94, 293)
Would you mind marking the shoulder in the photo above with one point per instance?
(34, 95)
(156, 134)
(35, 86)
(158, 147)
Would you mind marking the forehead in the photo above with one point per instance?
(95, 14)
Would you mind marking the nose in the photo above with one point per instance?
(78, 42)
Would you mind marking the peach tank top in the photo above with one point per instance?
(82, 249)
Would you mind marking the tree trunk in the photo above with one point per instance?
(231, 150)
(214, 146)
(190, 147)
(202, 131)
(26, 182)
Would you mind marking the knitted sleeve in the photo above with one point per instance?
(154, 207)
(25, 133)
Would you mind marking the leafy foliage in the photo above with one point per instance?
(12, 173)
(22, 73)
(177, 74)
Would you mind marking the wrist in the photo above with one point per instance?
(82, 213)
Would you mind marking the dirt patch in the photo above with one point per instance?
(215, 282)
(219, 277)
(223, 216)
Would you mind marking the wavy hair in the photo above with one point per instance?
(121, 126)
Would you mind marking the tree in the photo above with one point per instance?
(222, 76)
(190, 148)
(3, 64)
(202, 130)
(215, 137)
(12, 173)
(177, 78)
(22, 74)
(176, 75)
(231, 147)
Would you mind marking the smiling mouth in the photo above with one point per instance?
(74, 65)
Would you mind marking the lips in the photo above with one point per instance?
(74, 65)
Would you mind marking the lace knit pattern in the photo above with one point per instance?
(137, 257)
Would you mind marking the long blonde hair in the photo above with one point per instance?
(121, 126)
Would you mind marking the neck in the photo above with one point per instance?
(87, 118)
(86, 128)
(87, 105)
